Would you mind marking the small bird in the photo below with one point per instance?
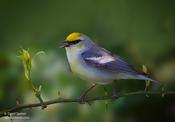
(93, 63)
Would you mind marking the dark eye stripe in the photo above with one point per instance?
(74, 42)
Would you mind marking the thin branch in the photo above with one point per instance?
(98, 98)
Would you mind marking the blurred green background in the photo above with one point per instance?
(140, 31)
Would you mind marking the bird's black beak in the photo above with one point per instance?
(64, 44)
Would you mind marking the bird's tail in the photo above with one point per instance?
(143, 77)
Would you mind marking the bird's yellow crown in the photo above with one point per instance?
(73, 36)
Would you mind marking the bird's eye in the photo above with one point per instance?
(75, 42)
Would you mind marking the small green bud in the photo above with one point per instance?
(26, 59)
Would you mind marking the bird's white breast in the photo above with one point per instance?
(79, 67)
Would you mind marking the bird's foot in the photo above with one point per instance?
(83, 96)
(82, 99)
(114, 93)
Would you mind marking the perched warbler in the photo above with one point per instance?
(96, 64)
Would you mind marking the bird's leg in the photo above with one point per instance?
(114, 92)
(105, 90)
(83, 96)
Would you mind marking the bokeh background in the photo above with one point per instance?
(142, 32)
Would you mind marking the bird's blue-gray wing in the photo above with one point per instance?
(94, 58)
